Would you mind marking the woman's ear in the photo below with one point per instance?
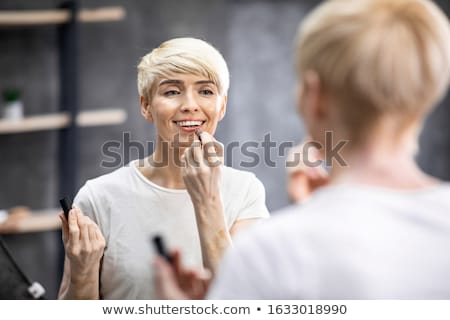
(223, 108)
(145, 108)
(310, 97)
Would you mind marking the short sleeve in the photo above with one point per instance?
(84, 202)
(254, 203)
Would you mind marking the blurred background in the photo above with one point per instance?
(255, 37)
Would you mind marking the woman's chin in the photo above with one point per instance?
(182, 139)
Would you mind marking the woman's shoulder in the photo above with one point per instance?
(241, 182)
(118, 177)
(235, 176)
(104, 188)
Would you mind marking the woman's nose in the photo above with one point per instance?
(189, 104)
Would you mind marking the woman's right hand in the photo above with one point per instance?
(305, 174)
(83, 242)
(175, 282)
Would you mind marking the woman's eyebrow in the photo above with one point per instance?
(175, 81)
(205, 82)
(170, 81)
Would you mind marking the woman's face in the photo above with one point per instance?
(183, 103)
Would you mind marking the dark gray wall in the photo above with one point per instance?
(256, 40)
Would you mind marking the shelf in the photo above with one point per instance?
(59, 16)
(35, 123)
(38, 221)
(62, 120)
(103, 117)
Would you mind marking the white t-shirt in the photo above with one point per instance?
(348, 242)
(130, 209)
(3, 215)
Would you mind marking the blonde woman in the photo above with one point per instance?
(182, 191)
(369, 71)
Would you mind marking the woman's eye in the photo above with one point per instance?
(206, 92)
(171, 93)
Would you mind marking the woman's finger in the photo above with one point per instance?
(183, 160)
(83, 224)
(92, 232)
(99, 235)
(64, 227)
(212, 149)
(176, 265)
(196, 152)
(188, 158)
(176, 261)
(74, 230)
(166, 282)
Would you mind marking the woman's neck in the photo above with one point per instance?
(163, 168)
(383, 163)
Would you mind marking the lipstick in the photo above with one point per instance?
(199, 132)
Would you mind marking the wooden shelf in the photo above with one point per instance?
(59, 16)
(103, 117)
(35, 123)
(63, 120)
(38, 221)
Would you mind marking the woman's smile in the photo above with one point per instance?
(189, 125)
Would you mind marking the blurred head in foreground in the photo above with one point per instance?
(371, 70)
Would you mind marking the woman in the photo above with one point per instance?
(370, 71)
(181, 191)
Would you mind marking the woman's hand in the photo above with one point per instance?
(84, 244)
(305, 174)
(174, 282)
(202, 171)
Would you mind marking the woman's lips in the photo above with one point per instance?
(190, 129)
(189, 125)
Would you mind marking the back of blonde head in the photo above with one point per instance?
(378, 57)
(182, 55)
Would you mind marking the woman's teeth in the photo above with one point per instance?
(189, 123)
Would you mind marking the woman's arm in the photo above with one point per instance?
(84, 287)
(214, 235)
(84, 245)
(202, 175)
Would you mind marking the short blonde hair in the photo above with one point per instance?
(186, 56)
(378, 57)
